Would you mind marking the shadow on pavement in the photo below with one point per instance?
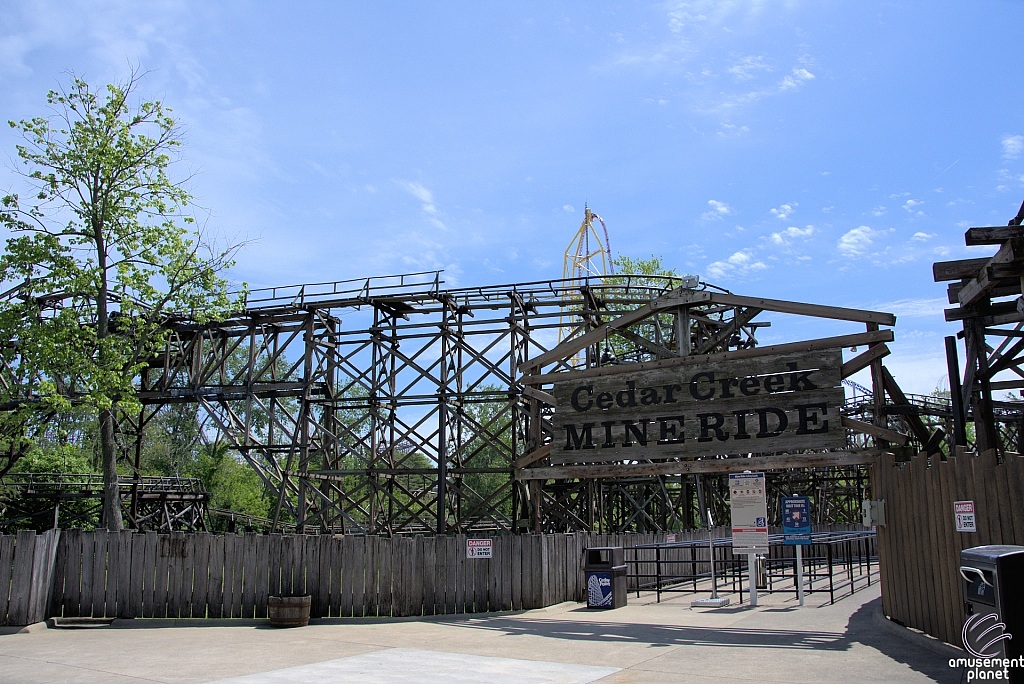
(861, 628)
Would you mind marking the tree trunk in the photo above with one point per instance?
(111, 492)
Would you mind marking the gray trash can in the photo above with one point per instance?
(993, 583)
(605, 569)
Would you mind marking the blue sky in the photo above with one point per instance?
(821, 151)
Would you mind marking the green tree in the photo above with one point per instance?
(630, 274)
(105, 253)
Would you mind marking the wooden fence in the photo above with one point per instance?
(129, 575)
(919, 547)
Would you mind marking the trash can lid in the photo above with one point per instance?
(990, 553)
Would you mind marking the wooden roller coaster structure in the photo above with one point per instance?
(430, 411)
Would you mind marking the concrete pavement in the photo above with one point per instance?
(643, 642)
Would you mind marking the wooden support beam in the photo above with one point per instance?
(875, 431)
(533, 456)
(740, 318)
(1011, 251)
(656, 349)
(723, 465)
(853, 340)
(1002, 290)
(566, 349)
(802, 309)
(864, 360)
(539, 395)
(993, 311)
(1005, 360)
(894, 391)
(1007, 385)
(995, 235)
(957, 270)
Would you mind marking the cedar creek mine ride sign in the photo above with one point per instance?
(780, 403)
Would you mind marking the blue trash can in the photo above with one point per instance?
(605, 570)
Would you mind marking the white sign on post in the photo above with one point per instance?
(478, 548)
(964, 511)
(749, 513)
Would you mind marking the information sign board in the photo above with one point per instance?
(796, 520)
(965, 521)
(749, 513)
(776, 403)
(479, 548)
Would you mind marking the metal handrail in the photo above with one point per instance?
(838, 553)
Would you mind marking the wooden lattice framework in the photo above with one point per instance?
(987, 294)
(428, 409)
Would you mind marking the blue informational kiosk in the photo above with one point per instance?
(796, 530)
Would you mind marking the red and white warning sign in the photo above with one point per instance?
(964, 511)
(478, 548)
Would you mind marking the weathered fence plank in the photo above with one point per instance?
(88, 568)
(21, 576)
(248, 575)
(71, 603)
(336, 576)
(238, 563)
(312, 563)
(347, 574)
(358, 578)
(322, 597)
(385, 590)
(371, 591)
(215, 586)
(151, 546)
(6, 570)
(201, 575)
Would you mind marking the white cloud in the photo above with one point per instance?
(898, 194)
(914, 308)
(718, 210)
(912, 206)
(1013, 145)
(426, 198)
(730, 129)
(879, 211)
(783, 237)
(746, 68)
(923, 237)
(740, 263)
(784, 210)
(798, 77)
(856, 242)
(568, 208)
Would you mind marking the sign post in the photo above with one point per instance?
(796, 528)
(715, 601)
(749, 521)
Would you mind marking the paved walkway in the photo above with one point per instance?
(644, 642)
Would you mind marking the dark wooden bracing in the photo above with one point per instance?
(45, 500)
(987, 294)
(394, 405)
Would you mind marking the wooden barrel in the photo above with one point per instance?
(288, 611)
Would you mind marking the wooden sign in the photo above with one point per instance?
(770, 404)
